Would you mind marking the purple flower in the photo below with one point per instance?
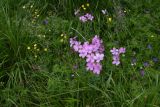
(90, 66)
(122, 50)
(116, 54)
(90, 58)
(142, 72)
(145, 64)
(82, 53)
(83, 18)
(114, 51)
(77, 46)
(89, 16)
(86, 17)
(93, 52)
(98, 57)
(149, 46)
(45, 22)
(97, 68)
(155, 59)
(116, 60)
(133, 61)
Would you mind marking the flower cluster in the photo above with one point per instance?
(86, 17)
(116, 53)
(92, 52)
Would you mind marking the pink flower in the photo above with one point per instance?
(90, 66)
(83, 18)
(98, 57)
(114, 51)
(116, 55)
(90, 58)
(97, 68)
(122, 50)
(89, 16)
(86, 17)
(93, 52)
(77, 46)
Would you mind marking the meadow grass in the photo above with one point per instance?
(38, 68)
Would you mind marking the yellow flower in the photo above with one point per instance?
(62, 35)
(37, 49)
(35, 56)
(61, 40)
(45, 49)
(65, 37)
(87, 4)
(28, 48)
(24, 7)
(82, 6)
(109, 19)
(31, 6)
(35, 45)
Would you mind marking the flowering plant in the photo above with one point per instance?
(92, 52)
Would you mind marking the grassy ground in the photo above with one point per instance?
(39, 69)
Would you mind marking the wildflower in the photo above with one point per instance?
(62, 35)
(133, 61)
(61, 40)
(87, 4)
(125, 11)
(104, 11)
(89, 16)
(31, 6)
(114, 51)
(76, 12)
(37, 49)
(116, 54)
(145, 64)
(45, 49)
(24, 7)
(65, 37)
(82, 6)
(109, 19)
(149, 46)
(122, 50)
(83, 18)
(35, 56)
(98, 57)
(28, 48)
(142, 72)
(45, 22)
(155, 59)
(97, 68)
(93, 52)
(35, 45)
(86, 17)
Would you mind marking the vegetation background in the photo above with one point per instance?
(39, 69)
